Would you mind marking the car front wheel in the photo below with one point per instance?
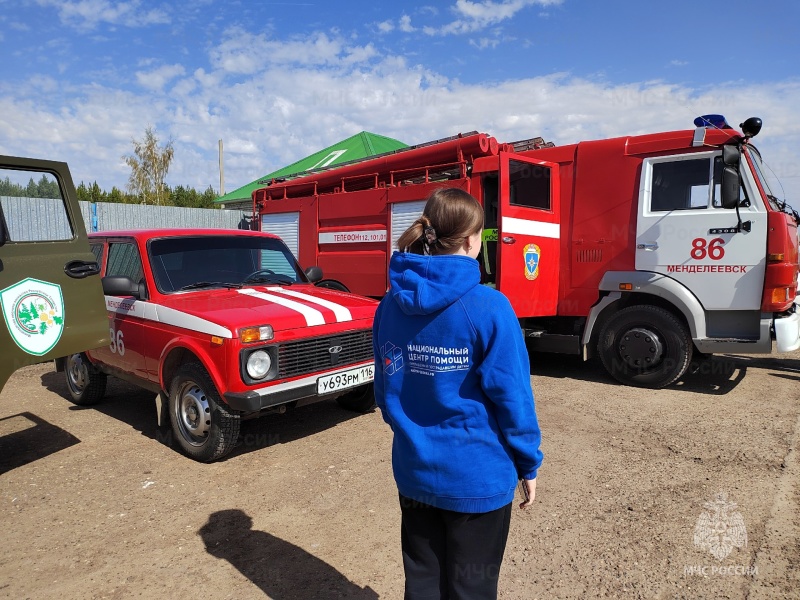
(204, 427)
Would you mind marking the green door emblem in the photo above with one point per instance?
(34, 314)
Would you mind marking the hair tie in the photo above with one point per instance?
(430, 236)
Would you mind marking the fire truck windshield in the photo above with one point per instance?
(758, 169)
(198, 262)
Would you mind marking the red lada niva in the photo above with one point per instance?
(222, 324)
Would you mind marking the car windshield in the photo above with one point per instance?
(185, 263)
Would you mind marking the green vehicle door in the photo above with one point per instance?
(51, 298)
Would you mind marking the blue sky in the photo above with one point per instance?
(279, 80)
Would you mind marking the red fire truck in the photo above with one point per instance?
(647, 250)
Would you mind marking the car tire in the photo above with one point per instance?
(361, 399)
(645, 346)
(86, 385)
(204, 426)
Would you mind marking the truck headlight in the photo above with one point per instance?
(258, 364)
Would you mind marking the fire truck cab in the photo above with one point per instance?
(647, 251)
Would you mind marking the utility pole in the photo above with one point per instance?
(221, 172)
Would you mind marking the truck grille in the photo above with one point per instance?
(308, 356)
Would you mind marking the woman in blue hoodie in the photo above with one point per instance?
(453, 383)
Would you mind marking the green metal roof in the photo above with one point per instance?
(361, 145)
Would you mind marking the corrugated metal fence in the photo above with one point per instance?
(40, 218)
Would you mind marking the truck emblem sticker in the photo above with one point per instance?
(34, 313)
(532, 254)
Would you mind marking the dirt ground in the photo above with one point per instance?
(96, 503)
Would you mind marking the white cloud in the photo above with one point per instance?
(385, 26)
(272, 110)
(405, 24)
(483, 43)
(244, 53)
(678, 63)
(474, 16)
(157, 78)
(88, 14)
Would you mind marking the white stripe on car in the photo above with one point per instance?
(341, 312)
(312, 315)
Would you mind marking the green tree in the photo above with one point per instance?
(10, 189)
(83, 193)
(47, 187)
(149, 165)
(96, 194)
(115, 195)
(181, 196)
(208, 197)
(32, 191)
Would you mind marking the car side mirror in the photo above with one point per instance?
(121, 285)
(313, 274)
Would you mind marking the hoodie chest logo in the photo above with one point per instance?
(392, 358)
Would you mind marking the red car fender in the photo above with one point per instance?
(213, 359)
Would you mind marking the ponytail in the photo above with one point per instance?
(450, 216)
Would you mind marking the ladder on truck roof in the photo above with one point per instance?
(534, 143)
(362, 159)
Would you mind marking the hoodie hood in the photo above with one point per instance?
(422, 285)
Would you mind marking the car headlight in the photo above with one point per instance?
(258, 364)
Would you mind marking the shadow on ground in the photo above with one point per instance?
(137, 408)
(715, 375)
(279, 568)
(25, 438)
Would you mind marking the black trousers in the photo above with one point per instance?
(451, 555)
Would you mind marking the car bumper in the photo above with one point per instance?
(253, 401)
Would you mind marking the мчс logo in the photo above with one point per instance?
(720, 528)
(34, 313)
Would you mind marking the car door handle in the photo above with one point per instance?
(647, 246)
(509, 240)
(78, 269)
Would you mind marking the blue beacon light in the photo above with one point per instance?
(717, 121)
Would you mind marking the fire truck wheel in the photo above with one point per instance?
(86, 384)
(201, 422)
(645, 346)
(361, 400)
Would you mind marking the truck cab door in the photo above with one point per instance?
(51, 298)
(529, 224)
(683, 232)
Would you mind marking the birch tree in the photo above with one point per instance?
(149, 165)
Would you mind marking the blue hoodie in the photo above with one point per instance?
(452, 380)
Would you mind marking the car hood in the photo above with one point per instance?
(283, 307)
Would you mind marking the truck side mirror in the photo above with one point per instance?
(731, 156)
(731, 180)
(313, 274)
(121, 285)
(730, 186)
